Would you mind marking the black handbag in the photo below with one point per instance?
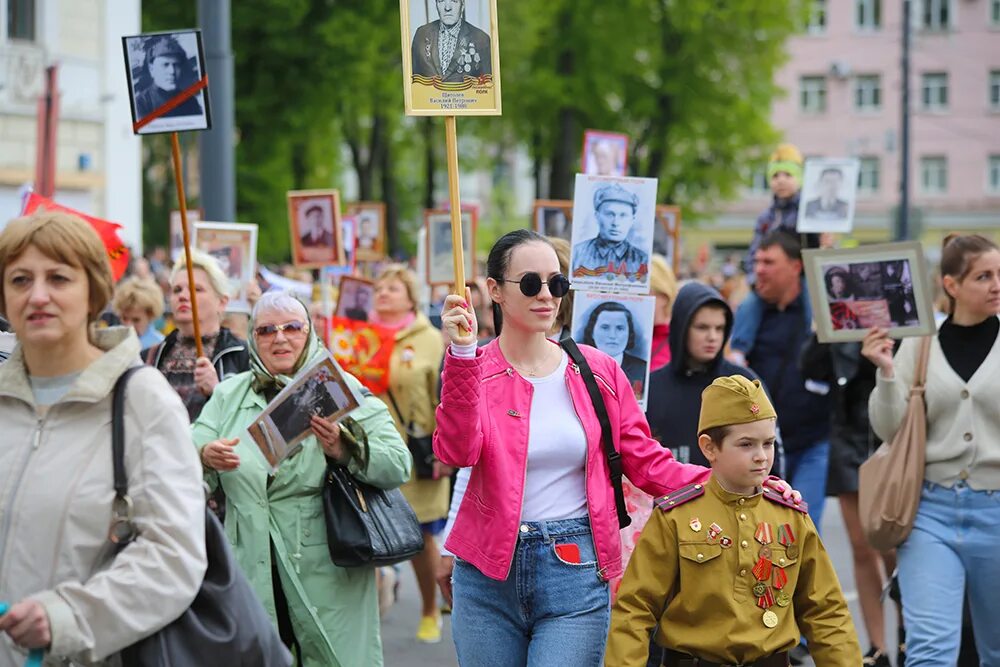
(366, 526)
(421, 447)
(226, 623)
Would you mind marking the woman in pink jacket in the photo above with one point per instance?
(536, 537)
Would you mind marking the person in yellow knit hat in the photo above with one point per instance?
(728, 572)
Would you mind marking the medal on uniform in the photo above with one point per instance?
(779, 579)
(765, 552)
(766, 599)
(763, 533)
(787, 538)
(714, 531)
(759, 589)
(783, 599)
(770, 619)
(695, 524)
(726, 542)
(762, 570)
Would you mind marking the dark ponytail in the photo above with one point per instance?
(958, 252)
(499, 261)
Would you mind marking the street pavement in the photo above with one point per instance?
(400, 623)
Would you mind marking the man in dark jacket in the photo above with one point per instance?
(700, 325)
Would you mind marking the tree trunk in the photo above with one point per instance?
(385, 165)
(564, 159)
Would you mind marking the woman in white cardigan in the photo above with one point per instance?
(955, 541)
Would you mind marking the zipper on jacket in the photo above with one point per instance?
(508, 372)
(12, 497)
(524, 481)
(586, 477)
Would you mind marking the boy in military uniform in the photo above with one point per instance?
(729, 572)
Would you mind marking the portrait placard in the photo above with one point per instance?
(176, 235)
(621, 326)
(440, 264)
(370, 226)
(320, 389)
(855, 289)
(234, 246)
(829, 192)
(348, 232)
(167, 82)
(613, 226)
(451, 57)
(604, 153)
(355, 298)
(314, 220)
(667, 235)
(553, 217)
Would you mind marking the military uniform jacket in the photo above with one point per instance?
(700, 591)
(598, 257)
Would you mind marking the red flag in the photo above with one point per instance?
(363, 350)
(108, 231)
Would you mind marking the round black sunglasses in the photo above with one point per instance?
(531, 284)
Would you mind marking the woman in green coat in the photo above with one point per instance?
(328, 615)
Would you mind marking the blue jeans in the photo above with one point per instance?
(953, 549)
(547, 612)
(805, 470)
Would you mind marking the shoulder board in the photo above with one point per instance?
(775, 497)
(679, 497)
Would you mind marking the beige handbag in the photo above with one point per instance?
(890, 481)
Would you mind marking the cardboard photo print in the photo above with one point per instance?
(604, 153)
(234, 246)
(667, 235)
(829, 192)
(370, 226)
(314, 219)
(451, 57)
(613, 223)
(553, 217)
(355, 298)
(167, 82)
(440, 265)
(621, 326)
(855, 289)
(176, 235)
(320, 389)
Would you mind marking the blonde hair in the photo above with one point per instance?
(64, 238)
(136, 292)
(661, 277)
(401, 273)
(200, 260)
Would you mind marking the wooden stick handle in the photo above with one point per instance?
(455, 204)
(182, 202)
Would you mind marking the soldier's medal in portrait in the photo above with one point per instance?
(770, 619)
(783, 599)
(695, 524)
(787, 538)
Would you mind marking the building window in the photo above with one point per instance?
(757, 183)
(934, 175)
(994, 175)
(934, 91)
(817, 18)
(868, 93)
(812, 94)
(868, 14)
(21, 19)
(995, 88)
(868, 175)
(936, 15)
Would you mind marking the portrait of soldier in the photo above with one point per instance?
(168, 68)
(356, 303)
(315, 230)
(450, 47)
(610, 253)
(829, 205)
(368, 231)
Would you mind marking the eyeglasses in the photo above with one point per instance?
(271, 330)
(531, 284)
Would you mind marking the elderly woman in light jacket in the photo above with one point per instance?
(68, 592)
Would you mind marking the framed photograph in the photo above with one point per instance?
(451, 57)
(621, 326)
(855, 289)
(355, 298)
(320, 389)
(234, 246)
(613, 223)
(167, 82)
(176, 235)
(553, 217)
(314, 219)
(829, 192)
(604, 153)
(370, 224)
(667, 235)
(348, 232)
(440, 265)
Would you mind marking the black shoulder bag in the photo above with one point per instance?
(420, 446)
(226, 624)
(612, 455)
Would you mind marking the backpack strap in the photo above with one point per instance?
(611, 454)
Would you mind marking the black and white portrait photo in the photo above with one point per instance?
(621, 326)
(553, 218)
(440, 264)
(604, 153)
(450, 57)
(613, 220)
(355, 299)
(829, 190)
(167, 82)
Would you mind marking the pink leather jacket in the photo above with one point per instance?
(482, 422)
